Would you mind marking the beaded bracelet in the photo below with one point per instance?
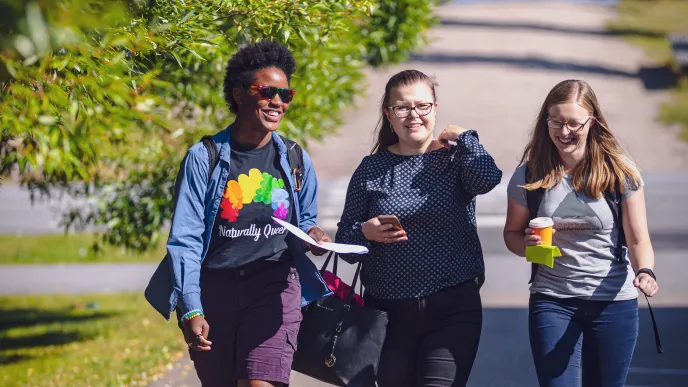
(191, 314)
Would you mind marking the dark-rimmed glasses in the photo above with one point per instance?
(422, 109)
(269, 92)
(556, 124)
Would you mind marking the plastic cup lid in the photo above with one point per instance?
(541, 222)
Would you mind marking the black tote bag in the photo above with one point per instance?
(339, 341)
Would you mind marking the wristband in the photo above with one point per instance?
(648, 272)
(191, 314)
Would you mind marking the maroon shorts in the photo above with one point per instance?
(254, 316)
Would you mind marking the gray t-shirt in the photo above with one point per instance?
(586, 236)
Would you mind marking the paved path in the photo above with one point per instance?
(495, 63)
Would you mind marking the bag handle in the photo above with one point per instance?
(327, 262)
(352, 291)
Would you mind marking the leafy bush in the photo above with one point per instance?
(104, 96)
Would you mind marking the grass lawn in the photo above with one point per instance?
(60, 248)
(646, 24)
(99, 340)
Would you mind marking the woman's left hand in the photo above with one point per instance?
(646, 284)
(450, 133)
(319, 236)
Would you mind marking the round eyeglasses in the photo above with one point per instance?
(573, 126)
(422, 109)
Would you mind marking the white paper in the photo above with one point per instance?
(336, 247)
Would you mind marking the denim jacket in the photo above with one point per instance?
(176, 282)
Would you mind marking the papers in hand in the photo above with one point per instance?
(336, 247)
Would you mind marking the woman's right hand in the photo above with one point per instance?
(530, 239)
(373, 230)
(196, 334)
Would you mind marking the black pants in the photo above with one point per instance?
(431, 341)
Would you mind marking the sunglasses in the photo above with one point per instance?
(269, 92)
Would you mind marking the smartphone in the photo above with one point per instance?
(390, 219)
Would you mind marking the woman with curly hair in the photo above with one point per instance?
(233, 268)
(583, 311)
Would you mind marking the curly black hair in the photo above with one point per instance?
(244, 64)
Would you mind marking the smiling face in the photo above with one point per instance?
(569, 143)
(414, 129)
(260, 112)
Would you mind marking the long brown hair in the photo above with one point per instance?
(606, 164)
(385, 135)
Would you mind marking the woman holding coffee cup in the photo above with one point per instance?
(578, 190)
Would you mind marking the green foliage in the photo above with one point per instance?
(105, 96)
(85, 340)
(392, 31)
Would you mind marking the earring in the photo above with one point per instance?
(391, 129)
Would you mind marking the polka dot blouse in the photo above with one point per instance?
(433, 195)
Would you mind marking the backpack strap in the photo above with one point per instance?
(533, 198)
(213, 154)
(295, 155)
(613, 200)
(214, 158)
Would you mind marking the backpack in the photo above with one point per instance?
(613, 199)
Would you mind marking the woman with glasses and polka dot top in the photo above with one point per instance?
(412, 203)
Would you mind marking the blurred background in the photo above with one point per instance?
(99, 100)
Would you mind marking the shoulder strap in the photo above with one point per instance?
(533, 198)
(613, 200)
(213, 154)
(295, 155)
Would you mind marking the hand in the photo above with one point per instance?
(196, 334)
(646, 284)
(530, 239)
(450, 133)
(373, 230)
(319, 236)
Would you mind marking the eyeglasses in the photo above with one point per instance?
(573, 126)
(422, 109)
(269, 92)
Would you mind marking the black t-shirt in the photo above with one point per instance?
(244, 231)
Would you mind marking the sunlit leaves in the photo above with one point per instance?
(106, 95)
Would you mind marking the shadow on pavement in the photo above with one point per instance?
(630, 32)
(504, 357)
(653, 78)
(530, 62)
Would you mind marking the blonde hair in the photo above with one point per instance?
(606, 165)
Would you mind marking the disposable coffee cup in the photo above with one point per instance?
(542, 227)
